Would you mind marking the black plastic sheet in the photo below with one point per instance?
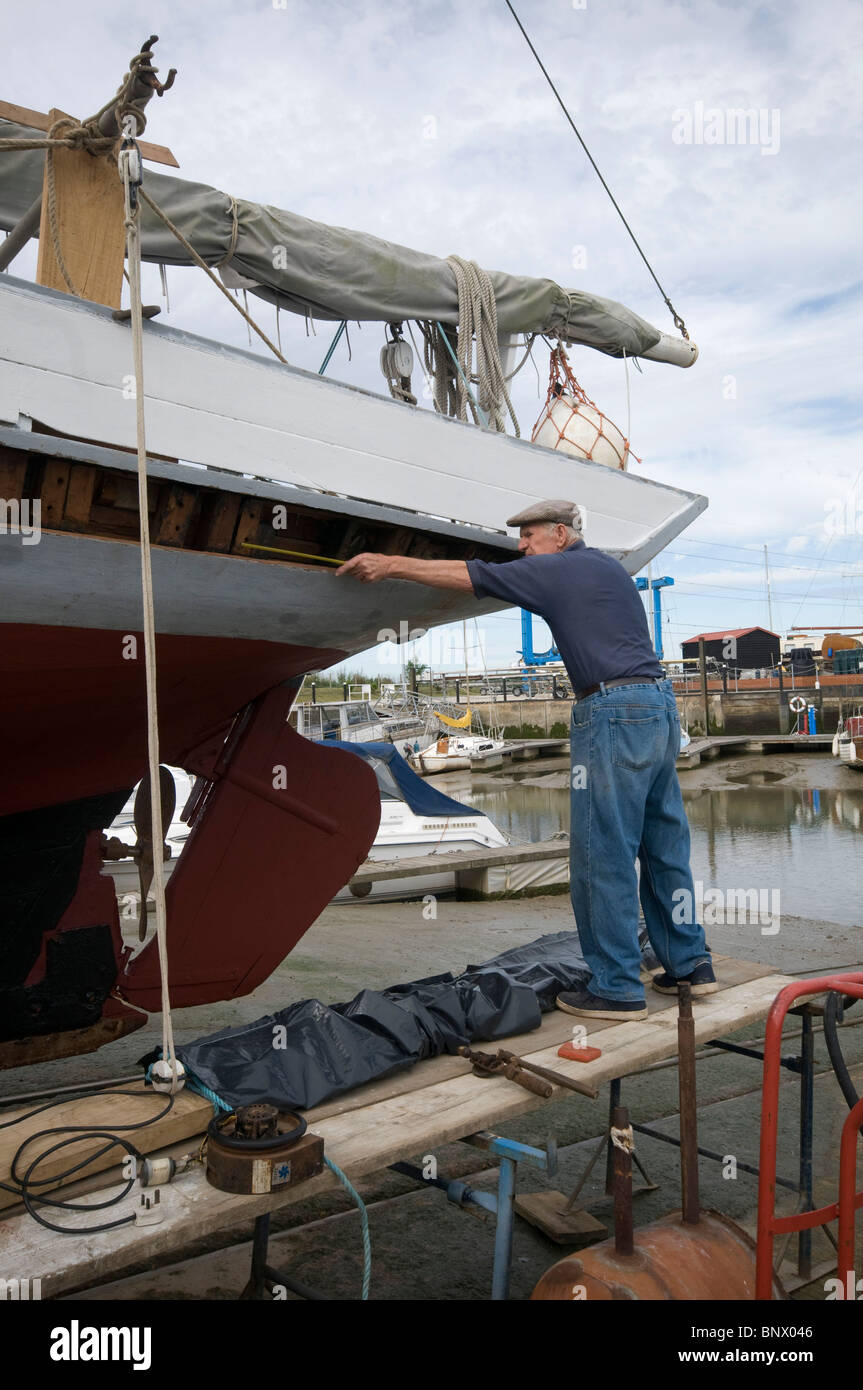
(309, 1052)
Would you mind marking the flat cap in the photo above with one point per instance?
(555, 510)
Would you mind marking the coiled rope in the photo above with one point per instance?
(477, 324)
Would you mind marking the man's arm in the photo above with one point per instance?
(439, 574)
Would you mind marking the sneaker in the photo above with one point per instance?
(586, 1005)
(702, 980)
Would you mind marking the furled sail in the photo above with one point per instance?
(334, 273)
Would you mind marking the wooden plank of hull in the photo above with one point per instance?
(86, 582)
(61, 364)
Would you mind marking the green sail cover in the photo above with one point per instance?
(332, 272)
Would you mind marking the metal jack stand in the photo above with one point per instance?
(264, 1280)
(510, 1153)
(604, 1142)
(802, 1066)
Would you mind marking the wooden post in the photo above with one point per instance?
(702, 663)
(89, 202)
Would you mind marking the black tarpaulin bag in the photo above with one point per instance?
(309, 1052)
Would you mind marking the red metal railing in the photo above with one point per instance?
(769, 1224)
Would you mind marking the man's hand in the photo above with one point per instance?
(367, 568)
(439, 574)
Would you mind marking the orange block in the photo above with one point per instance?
(578, 1054)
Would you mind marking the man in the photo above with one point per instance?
(625, 735)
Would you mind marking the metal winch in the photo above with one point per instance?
(258, 1148)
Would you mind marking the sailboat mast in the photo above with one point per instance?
(769, 599)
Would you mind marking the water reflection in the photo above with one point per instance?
(803, 841)
(524, 813)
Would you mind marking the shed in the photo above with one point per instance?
(740, 649)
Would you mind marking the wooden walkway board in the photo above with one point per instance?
(379, 870)
(415, 1112)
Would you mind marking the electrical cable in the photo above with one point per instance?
(833, 1011)
(746, 549)
(25, 1182)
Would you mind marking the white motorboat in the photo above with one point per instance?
(417, 820)
(453, 752)
(351, 721)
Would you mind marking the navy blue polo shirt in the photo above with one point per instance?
(590, 603)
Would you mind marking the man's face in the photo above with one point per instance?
(541, 539)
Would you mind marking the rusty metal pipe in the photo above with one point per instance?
(621, 1166)
(557, 1078)
(687, 1106)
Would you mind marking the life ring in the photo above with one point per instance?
(797, 703)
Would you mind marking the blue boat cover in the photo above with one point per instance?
(396, 778)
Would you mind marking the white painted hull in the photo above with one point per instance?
(69, 580)
(64, 363)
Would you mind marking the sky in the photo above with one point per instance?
(432, 126)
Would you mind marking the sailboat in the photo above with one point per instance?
(261, 478)
(848, 741)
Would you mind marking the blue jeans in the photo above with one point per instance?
(625, 805)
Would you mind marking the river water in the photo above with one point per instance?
(804, 843)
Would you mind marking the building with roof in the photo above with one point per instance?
(740, 649)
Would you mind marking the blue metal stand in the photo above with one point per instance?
(501, 1205)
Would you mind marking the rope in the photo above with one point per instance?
(628, 401)
(564, 387)
(477, 322)
(194, 1083)
(623, 1139)
(450, 373)
(438, 368)
(187, 246)
(53, 221)
(364, 1219)
(678, 321)
(133, 254)
(235, 233)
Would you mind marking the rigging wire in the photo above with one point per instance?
(830, 539)
(678, 321)
(748, 550)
